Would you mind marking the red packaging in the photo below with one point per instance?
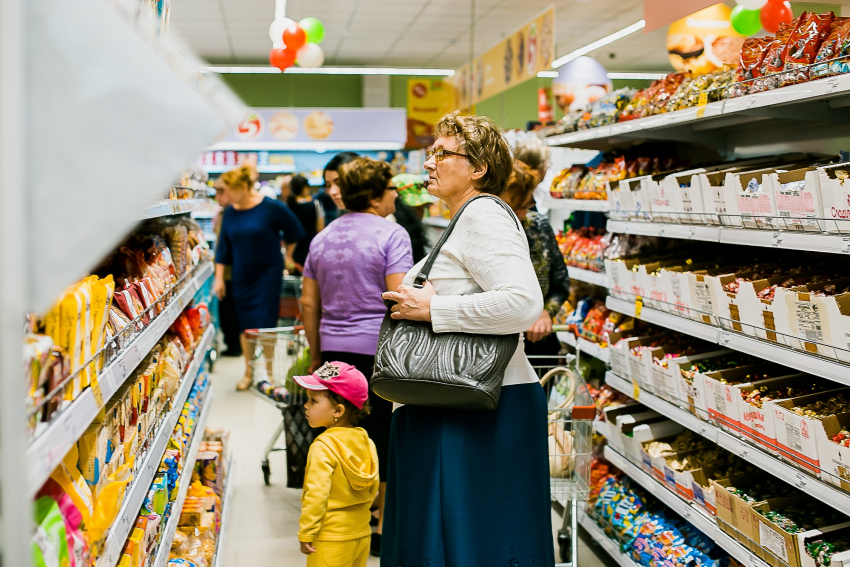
(831, 48)
(804, 44)
(774, 58)
(752, 55)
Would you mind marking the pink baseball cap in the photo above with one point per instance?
(340, 378)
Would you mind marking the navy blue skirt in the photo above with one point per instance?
(257, 301)
(470, 489)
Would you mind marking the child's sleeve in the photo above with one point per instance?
(317, 488)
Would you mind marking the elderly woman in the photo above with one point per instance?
(471, 488)
(546, 257)
(355, 259)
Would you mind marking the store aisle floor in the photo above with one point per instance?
(263, 520)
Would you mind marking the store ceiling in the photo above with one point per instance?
(416, 33)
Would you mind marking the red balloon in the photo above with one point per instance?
(294, 37)
(282, 58)
(774, 13)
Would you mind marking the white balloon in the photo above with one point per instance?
(752, 4)
(277, 28)
(310, 56)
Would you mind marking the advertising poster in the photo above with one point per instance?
(427, 101)
(704, 41)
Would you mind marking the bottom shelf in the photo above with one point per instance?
(226, 504)
(606, 543)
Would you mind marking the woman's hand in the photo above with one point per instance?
(307, 548)
(411, 303)
(218, 288)
(541, 328)
(315, 362)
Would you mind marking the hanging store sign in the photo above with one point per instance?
(428, 100)
(317, 128)
(516, 59)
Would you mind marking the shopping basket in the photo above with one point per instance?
(278, 355)
(570, 430)
(290, 295)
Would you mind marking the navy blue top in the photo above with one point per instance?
(250, 240)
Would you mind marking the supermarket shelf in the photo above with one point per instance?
(702, 521)
(585, 346)
(175, 207)
(774, 121)
(832, 243)
(600, 427)
(48, 449)
(183, 485)
(138, 490)
(438, 222)
(281, 168)
(605, 542)
(588, 276)
(818, 489)
(226, 504)
(578, 205)
(819, 366)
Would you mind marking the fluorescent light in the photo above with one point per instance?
(547, 75)
(637, 26)
(647, 76)
(224, 69)
(307, 146)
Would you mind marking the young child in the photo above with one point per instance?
(341, 479)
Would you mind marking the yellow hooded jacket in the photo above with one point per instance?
(340, 483)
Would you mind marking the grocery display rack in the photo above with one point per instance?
(226, 506)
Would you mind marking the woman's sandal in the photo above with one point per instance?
(245, 383)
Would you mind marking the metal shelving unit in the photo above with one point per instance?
(226, 505)
(588, 276)
(579, 205)
(138, 490)
(584, 345)
(168, 207)
(609, 545)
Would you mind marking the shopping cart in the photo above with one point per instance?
(290, 295)
(570, 424)
(278, 355)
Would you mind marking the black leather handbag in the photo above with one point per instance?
(416, 366)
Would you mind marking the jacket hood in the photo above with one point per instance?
(356, 454)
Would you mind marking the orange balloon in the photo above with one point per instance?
(294, 37)
(282, 57)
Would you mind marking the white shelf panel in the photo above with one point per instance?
(605, 542)
(175, 207)
(226, 505)
(588, 276)
(183, 483)
(688, 232)
(281, 168)
(47, 450)
(818, 489)
(819, 366)
(567, 338)
(692, 514)
(585, 346)
(579, 205)
(138, 490)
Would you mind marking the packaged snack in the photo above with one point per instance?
(832, 48)
(804, 44)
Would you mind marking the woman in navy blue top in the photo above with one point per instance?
(249, 242)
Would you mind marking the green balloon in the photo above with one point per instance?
(315, 29)
(746, 22)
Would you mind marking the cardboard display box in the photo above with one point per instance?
(834, 457)
(839, 559)
(798, 199)
(615, 417)
(819, 323)
(835, 197)
(667, 380)
(723, 400)
(757, 423)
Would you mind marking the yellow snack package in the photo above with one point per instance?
(102, 292)
(70, 317)
(109, 501)
(68, 476)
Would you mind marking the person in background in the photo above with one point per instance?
(531, 151)
(341, 479)
(250, 243)
(545, 256)
(226, 307)
(309, 211)
(351, 263)
(329, 195)
(285, 188)
(410, 209)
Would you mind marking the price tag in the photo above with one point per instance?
(832, 84)
(845, 245)
(98, 394)
(635, 389)
(777, 239)
(638, 306)
(703, 101)
(802, 482)
(753, 561)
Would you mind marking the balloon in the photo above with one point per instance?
(316, 29)
(311, 56)
(294, 37)
(282, 58)
(751, 4)
(745, 22)
(277, 28)
(774, 13)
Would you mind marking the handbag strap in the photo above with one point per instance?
(422, 276)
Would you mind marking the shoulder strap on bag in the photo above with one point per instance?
(423, 274)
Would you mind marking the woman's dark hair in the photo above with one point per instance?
(407, 218)
(296, 189)
(339, 160)
(362, 180)
(354, 414)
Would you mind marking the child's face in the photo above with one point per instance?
(321, 411)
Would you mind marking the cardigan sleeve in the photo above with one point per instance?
(494, 251)
(559, 280)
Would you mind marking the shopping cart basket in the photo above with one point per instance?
(278, 355)
(290, 295)
(570, 428)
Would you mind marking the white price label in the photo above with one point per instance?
(801, 482)
(753, 561)
(832, 84)
(845, 249)
(777, 239)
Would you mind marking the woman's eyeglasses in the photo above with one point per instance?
(441, 153)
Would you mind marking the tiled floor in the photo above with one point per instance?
(263, 520)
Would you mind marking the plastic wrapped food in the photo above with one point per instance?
(804, 44)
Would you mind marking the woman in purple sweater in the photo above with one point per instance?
(351, 263)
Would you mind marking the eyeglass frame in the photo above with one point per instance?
(442, 153)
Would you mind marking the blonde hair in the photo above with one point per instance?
(520, 184)
(240, 178)
(481, 140)
(531, 151)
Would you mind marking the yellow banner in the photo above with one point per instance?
(517, 58)
(428, 100)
